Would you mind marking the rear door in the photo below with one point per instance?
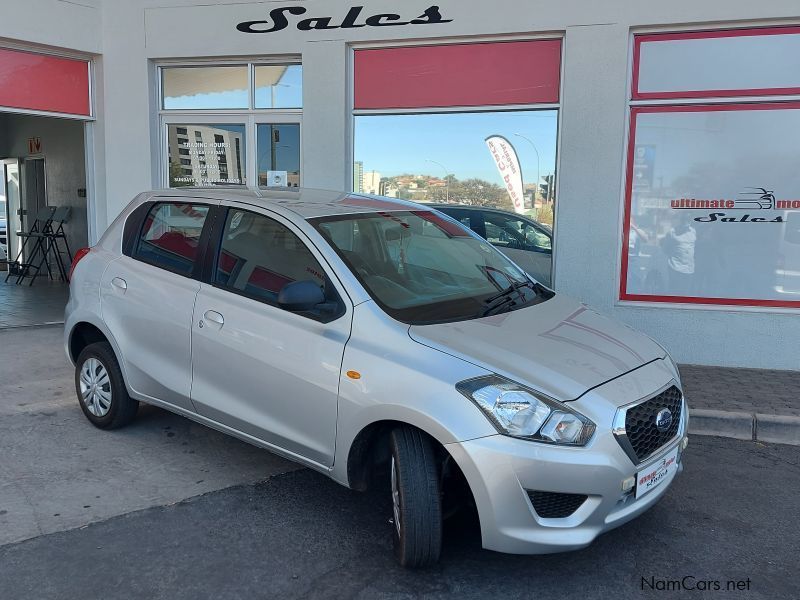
(148, 294)
(262, 370)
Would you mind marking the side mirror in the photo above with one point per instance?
(300, 295)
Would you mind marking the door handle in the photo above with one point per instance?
(214, 317)
(120, 283)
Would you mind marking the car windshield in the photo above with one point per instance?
(423, 267)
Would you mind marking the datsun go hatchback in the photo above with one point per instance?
(379, 342)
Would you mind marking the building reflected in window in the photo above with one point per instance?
(202, 155)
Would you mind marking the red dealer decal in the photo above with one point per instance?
(32, 81)
(479, 74)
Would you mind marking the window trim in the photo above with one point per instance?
(644, 38)
(250, 116)
(655, 299)
(250, 122)
(250, 64)
(210, 260)
(557, 107)
(201, 243)
(674, 302)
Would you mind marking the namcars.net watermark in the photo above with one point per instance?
(690, 583)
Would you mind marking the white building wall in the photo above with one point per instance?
(63, 24)
(593, 120)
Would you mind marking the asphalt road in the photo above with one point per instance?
(731, 516)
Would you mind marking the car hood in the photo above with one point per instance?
(559, 347)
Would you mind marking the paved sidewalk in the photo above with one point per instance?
(39, 304)
(745, 390)
(756, 404)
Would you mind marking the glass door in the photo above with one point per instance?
(12, 192)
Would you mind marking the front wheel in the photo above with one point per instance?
(416, 498)
(101, 388)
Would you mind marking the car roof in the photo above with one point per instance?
(306, 202)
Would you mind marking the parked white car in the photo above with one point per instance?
(379, 342)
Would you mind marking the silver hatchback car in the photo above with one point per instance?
(379, 342)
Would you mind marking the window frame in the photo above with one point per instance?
(654, 37)
(131, 244)
(250, 117)
(213, 249)
(557, 107)
(694, 101)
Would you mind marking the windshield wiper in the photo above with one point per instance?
(509, 290)
(503, 301)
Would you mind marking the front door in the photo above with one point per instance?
(265, 371)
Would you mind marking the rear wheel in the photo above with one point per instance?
(416, 498)
(101, 388)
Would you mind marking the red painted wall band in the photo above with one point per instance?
(478, 74)
(34, 81)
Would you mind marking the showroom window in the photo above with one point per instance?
(712, 197)
(231, 124)
(463, 123)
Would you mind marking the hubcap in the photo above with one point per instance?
(395, 498)
(95, 387)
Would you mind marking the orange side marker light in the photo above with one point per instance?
(354, 375)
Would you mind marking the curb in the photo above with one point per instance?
(776, 429)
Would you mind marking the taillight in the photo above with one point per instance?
(76, 259)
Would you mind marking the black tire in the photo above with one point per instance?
(418, 539)
(122, 407)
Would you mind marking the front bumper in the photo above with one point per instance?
(501, 470)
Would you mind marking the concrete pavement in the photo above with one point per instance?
(58, 472)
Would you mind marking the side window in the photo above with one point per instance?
(535, 239)
(170, 236)
(259, 256)
(516, 233)
(500, 236)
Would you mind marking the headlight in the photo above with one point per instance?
(524, 413)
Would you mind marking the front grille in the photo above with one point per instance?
(552, 505)
(640, 422)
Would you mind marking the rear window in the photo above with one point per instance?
(170, 236)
